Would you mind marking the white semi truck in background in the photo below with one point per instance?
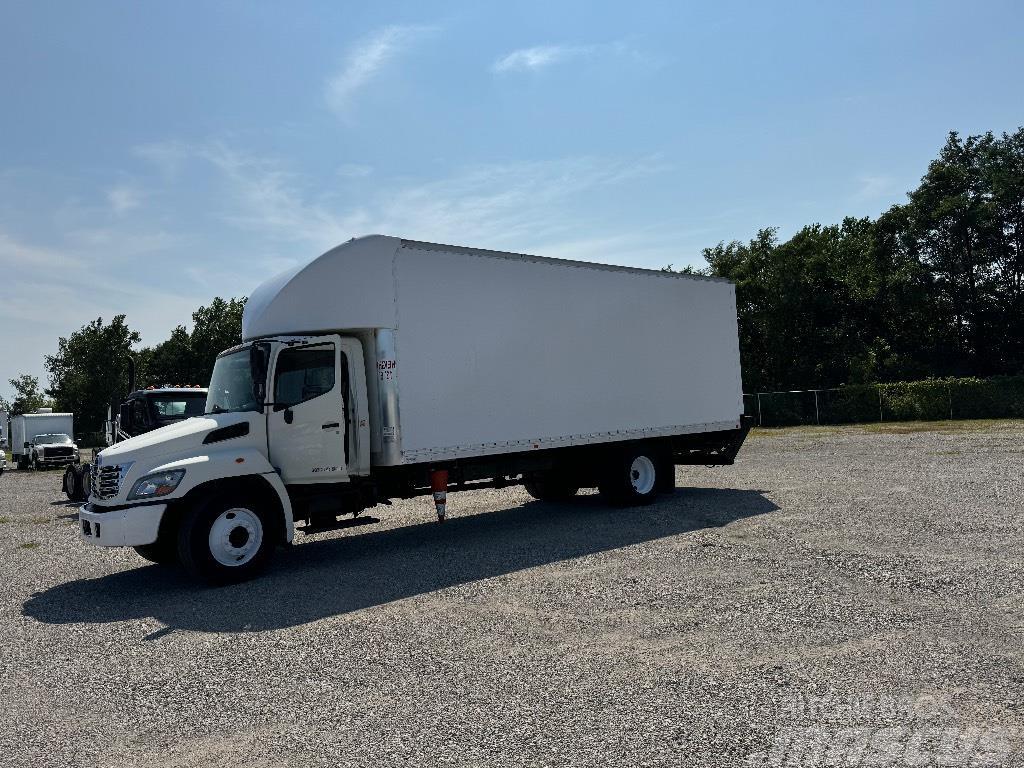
(43, 439)
(390, 368)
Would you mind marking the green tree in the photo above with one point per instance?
(214, 329)
(28, 396)
(188, 357)
(89, 371)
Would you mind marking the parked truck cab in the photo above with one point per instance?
(391, 368)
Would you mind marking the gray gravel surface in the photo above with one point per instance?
(835, 584)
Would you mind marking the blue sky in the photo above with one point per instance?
(153, 156)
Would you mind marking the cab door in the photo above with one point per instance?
(305, 424)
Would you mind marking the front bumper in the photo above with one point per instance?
(53, 461)
(131, 527)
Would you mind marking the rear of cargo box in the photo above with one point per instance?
(499, 353)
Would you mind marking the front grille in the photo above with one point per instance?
(53, 453)
(106, 481)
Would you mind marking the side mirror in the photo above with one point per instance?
(258, 362)
(27, 444)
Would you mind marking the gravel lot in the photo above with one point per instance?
(858, 584)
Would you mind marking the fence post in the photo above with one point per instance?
(817, 419)
(949, 395)
(759, 409)
(879, 388)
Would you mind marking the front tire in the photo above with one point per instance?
(631, 476)
(225, 540)
(159, 552)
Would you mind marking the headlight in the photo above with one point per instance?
(154, 486)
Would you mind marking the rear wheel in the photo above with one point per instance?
(225, 539)
(76, 482)
(549, 486)
(632, 476)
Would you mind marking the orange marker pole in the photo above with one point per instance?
(439, 485)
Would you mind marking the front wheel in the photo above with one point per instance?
(224, 540)
(632, 476)
(158, 552)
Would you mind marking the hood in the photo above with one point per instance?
(172, 438)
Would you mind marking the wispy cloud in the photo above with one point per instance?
(123, 198)
(365, 60)
(505, 205)
(541, 57)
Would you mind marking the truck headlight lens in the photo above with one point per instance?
(157, 485)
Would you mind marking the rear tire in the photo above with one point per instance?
(549, 486)
(631, 476)
(225, 539)
(76, 482)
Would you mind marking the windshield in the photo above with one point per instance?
(231, 384)
(174, 407)
(59, 438)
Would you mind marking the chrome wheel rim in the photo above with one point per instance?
(236, 536)
(642, 475)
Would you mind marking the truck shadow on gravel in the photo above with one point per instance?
(316, 579)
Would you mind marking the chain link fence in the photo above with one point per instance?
(931, 400)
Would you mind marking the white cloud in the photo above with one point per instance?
(365, 60)
(539, 57)
(123, 198)
(269, 199)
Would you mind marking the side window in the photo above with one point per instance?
(303, 373)
(139, 416)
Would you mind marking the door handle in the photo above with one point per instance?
(288, 416)
(332, 425)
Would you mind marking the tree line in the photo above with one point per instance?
(934, 287)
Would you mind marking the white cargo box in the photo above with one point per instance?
(501, 352)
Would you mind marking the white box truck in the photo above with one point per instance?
(389, 368)
(43, 439)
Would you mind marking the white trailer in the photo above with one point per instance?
(389, 368)
(43, 439)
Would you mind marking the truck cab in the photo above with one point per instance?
(154, 407)
(285, 424)
(52, 450)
